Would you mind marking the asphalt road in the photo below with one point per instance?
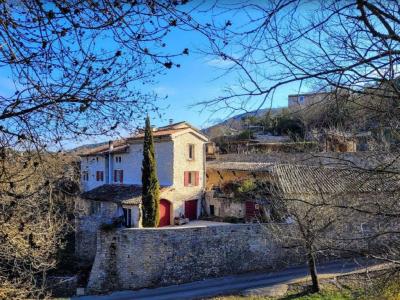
(231, 284)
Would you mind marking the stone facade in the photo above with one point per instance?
(91, 215)
(224, 207)
(138, 258)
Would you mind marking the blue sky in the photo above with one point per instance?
(197, 79)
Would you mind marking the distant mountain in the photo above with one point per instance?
(234, 124)
(84, 148)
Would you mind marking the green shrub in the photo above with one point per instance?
(245, 135)
(246, 186)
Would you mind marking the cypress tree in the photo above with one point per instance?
(150, 185)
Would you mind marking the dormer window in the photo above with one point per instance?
(301, 99)
(190, 152)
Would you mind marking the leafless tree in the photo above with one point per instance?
(336, 212)
(74, 69)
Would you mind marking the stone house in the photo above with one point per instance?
(111, 181)
(307, 99)
(222, 203)
(291, 181)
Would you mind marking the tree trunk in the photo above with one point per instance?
(313, 272)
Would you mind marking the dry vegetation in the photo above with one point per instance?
(37, 200)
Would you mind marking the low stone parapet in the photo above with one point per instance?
(138, 258)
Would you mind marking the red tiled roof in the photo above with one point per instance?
(158, 133)
(118, 193)
(120, 146)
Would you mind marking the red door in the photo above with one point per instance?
(165, 213)
(250, 209)
(191, 209)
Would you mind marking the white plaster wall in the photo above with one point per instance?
(172, 162)
(91, 165)
(133, 164)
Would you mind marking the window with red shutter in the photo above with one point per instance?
(115, 176)
(186, 178)
(99, 175)
(191, 178)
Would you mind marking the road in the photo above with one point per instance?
(232, 284)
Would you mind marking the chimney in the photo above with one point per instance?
(171, 121)
(110, 145)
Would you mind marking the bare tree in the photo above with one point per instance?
(326, 46)
(74, 69)
(336, 212)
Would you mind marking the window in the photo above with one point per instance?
(212, 210)
(301, 99)
(128, 217)
(85, 175)
(119, 176)
(97, 159)
(99, 176)
(191, 178)
(118, 159)
(190, 152)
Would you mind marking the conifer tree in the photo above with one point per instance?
(150, 185)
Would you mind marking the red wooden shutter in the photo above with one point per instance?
(101, 175)
(186, 178)
(121, 176)
(196, 178)
(115, 175)
(97, 175)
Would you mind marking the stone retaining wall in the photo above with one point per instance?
(138, 258)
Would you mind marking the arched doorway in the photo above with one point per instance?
(165, 213)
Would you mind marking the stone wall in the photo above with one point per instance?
(87, 223)
(224, 207)
(138, 258)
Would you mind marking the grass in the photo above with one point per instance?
(324, 295)
(345, 288)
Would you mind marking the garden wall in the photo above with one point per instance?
(137, 258)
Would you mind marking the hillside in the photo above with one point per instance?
(234, 124)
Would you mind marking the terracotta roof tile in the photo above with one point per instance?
(298, 179)
(118, 193)
(240, 166)
(113, 193)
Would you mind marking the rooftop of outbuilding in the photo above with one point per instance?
(239, 166)
(301, 179)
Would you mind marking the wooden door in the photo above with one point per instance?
(165, 213)
(191, 209)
